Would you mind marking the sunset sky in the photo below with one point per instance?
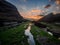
(36, 7)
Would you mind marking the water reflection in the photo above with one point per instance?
(30, 36)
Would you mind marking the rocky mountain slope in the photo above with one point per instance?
(8, 13)
(50, 18)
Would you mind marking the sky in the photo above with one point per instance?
(35, 7)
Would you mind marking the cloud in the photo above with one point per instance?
(54, 12)
(32, 14)
(35, 17)
(58, 2)
(23, 0)
(35, 12)
(58, 8)
(22, 8)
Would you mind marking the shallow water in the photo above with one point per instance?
(30, 36)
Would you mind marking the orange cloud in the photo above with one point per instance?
(58, 2)
(35, 12)
(32, 14)
(35, 18)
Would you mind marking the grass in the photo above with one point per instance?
(51, 25)
(14, 36)
(38, 31)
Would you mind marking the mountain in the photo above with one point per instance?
(9, 13)
(50, 18)
(57, 18)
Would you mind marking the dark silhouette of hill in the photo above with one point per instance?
(9, 13)
(51, 18)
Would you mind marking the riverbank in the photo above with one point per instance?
(13, 36)
(43, 38)
(16, 36)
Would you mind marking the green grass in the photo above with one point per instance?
(51, 25)
(16, 35)
(38, 31)
(13, 36)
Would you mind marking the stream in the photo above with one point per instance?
(30, 36)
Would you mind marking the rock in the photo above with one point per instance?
(8, 13)
(43, 40)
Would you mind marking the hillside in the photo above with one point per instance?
(9, 13)
(16, 36)
(50, 18)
